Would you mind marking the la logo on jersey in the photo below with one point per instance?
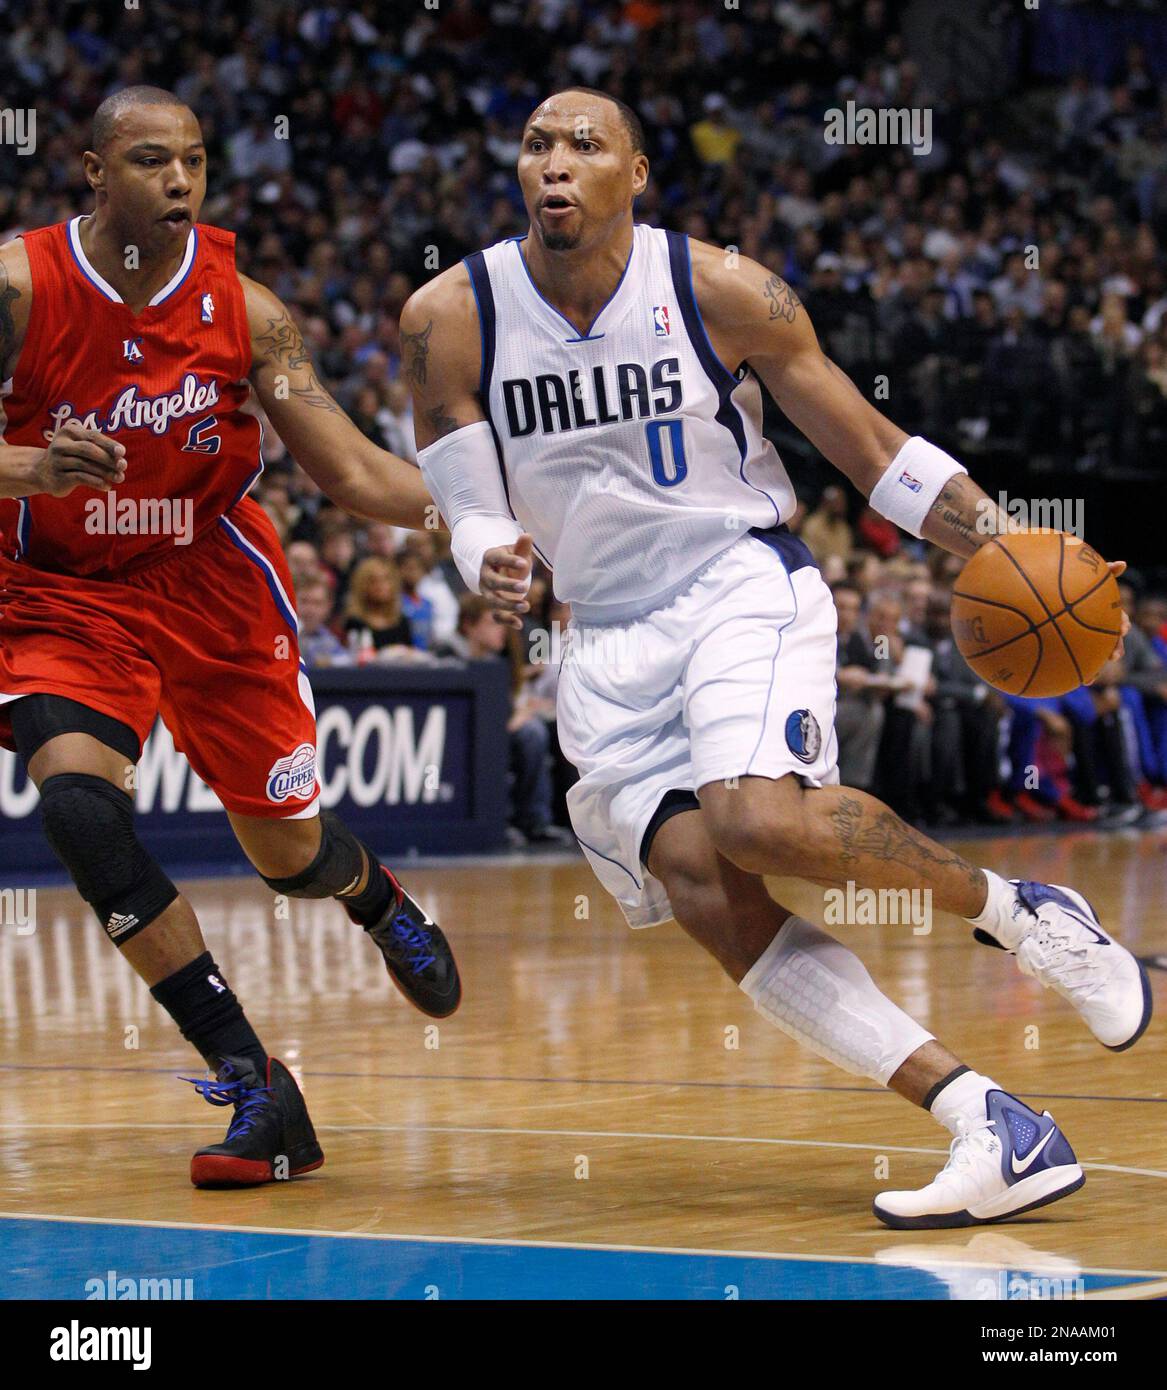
(132, 349)
(208, 309)
(294, 775)
(660, 320)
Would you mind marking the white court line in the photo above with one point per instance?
(560, 1244)
(568, 1134)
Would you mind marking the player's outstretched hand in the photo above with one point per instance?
(505, 578)
(78, 457)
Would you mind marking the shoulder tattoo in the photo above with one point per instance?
(282, 346)
(784, 303)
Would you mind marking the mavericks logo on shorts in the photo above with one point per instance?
(294, 775)
(804, 738)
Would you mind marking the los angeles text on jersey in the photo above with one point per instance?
(131, 411)
(553, 403)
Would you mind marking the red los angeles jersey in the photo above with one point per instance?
(168, 383)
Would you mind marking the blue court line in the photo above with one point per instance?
(569, 1081)
(42, 1259)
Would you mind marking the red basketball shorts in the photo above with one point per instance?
(206, 638)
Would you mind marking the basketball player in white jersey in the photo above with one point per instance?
(594, 391)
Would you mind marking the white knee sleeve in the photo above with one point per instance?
(812, 987)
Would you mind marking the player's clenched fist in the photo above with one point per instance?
(505, 578)
(78, 457)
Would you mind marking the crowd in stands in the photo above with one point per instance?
(1008, 289)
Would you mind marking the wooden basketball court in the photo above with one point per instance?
(605, 1115)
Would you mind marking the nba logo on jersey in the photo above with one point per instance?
(208, 309)
(132, 349)
(660, 320)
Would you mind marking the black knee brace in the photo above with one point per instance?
(337, 868)
(90, 825)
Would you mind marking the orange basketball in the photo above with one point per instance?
(1036, 613)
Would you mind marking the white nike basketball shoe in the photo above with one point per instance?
(1057, 938)
(1010, 1162)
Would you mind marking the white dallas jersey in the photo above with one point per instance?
(630, 453)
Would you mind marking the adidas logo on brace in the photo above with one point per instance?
(119, 923)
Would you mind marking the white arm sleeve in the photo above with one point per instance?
(912, 482)
(464, 475)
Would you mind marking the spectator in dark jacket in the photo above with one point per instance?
(966, 717)
(859, 711)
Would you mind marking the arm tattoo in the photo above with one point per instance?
(884, 836)
(415, 349)
(784, 303)
(962, 518)
(7, 328)
(282, 345)
(440, 422)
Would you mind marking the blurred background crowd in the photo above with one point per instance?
(1004, 293)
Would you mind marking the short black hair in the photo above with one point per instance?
(630, 119)
(105, 118)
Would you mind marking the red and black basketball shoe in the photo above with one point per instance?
(417, 954)
(270, 1137)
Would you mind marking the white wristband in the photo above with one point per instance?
(912, 482)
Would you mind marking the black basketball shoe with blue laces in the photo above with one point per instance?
(270, 1136)
(417, 954)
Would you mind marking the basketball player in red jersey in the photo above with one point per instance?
(137, 576)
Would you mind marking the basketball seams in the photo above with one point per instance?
(1091, 627)
(1067, 612)
(1067, 608)
(1034, 628)
(1029, 623)
(1021, 571)
(998, 603)
(1070, 605)
(1031, 626)
(1093, 589)
(1037, 595)
(1037, 661)
(1061, 572)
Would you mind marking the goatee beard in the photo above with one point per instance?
(560, 241)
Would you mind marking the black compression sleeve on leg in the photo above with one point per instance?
(209, 1016)
(338, 865)
(38, 718)
(372, 902)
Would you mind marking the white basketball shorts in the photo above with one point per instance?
(734, 678)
